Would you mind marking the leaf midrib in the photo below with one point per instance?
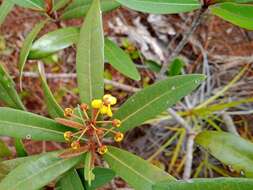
(153, 100)
(41, 171)
(132, 169)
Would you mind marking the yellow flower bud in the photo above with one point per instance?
(116, 123)
(102, 149)
(68, 135)
(118, 137)
(108, 99)
(104, 109)
(68, 112)
(97, 103)
(75, 145)
(109, 111)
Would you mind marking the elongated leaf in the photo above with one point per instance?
(207, 184)
(27, 46)
(102, 176)
(37, 173)
(71, 181)
(120, 60)
(238, 14)
(79, 8)
(20, 149)
(63, 38)
(5, 8)
(33, 4)
(229, 149)
(22, 124)
(53, 42)
(137, 172)
(155, 99)
(90, 56)
(9, 165)
(161, 6)
(8, 93)
(53, 107)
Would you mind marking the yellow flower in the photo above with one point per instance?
(102, 149)
(68, 112)
(97, 103)
(108, 99)
(103, 109)
(118, 137)
(75, 145)
(68, 135)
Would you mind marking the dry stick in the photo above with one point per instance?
(73, 75)
(178, 118)
(183, 42)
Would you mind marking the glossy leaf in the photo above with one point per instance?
(32, 4)
(53, 42)
(9, 165)
(207, 184)
(21, 124)
(5, 8)
(71, 181)
(79, 8)
(8, 93)
(37, 173)
(161, 6)
(238, 14)
(53, 107)
(229, 149)
(90, 56)
(138, 173)
(102, 176)
(155, 99)
(120, 60)
(24, 52)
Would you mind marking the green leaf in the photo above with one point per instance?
(161, 6)
(238, 14)
(229, 149)
(35, 174)
(155, 99)
(137, 172)
(53, 107)
(24, 52)
(120, 60)
(20, 149)
(79, 8)
(4, 150)
(71, 181)
(88, 167)
(90, 56)
(32, 4)
(59, 4)
(9, 165)
(5, 8)
(53, 42)
(176, 67)
(21, 124)
(8, 93)
(207, 184)
(102, 176)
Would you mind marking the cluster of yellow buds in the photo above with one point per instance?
(90, 126)
(104, 105)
